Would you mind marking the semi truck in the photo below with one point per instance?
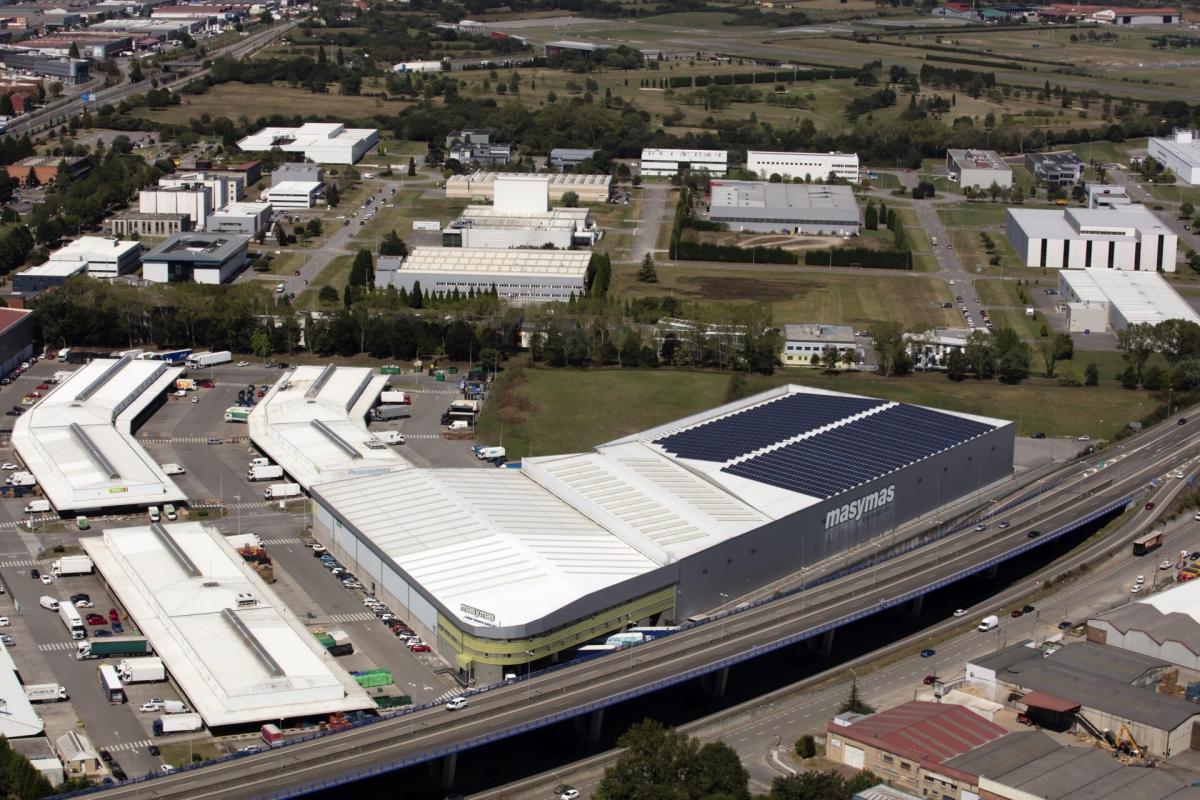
(177, 723)
(1144, 544)
(270, 472)
(280, 491)
(71, 619)
(142, 670)
(112, 647)
(72, 565)
(110, 684)
(198, 360)
(237, 414)
(46, 693)
(395, 396)
(390, 412)
(623, 640)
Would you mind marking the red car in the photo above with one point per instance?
(929, 679)
(113, 615)
(43, 386)
(96, 619)
(420, 648)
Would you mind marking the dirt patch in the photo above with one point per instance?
(513, 405)
(759, 290)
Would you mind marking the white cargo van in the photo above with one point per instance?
(989, 623)
(47, 602)
(155, 516)
(260, 462)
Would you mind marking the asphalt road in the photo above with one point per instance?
(654, 210)
(1128, 469)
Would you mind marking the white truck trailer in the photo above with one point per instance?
(199, 360)
(177, 723)
(72, 565)
(46, 693)
(142, 670)
(271, 472)
(280, 491)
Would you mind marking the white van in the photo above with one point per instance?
(154, 513)
(47, 602)
(37, 506)
(989, 623)
(260, 462)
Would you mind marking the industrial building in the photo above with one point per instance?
(66, 70)
(1088, 687)
(224, 188)
(305, 173)
(78, 439)
(801, 342)
(294, 195)
(497, 568)
(569, 47)
(799, 208)
(234, 649)
(1108, 15)
(19, 718)
(1122, 238)
(1165, 625)
(910, 745)
(195, 200)
(41, 756)
(803, 166)
(482, 185)
(149, 223)
(1062, 168)
(930, 348)
(1100, 300)
(978, 168)
(488, 155)
(419, 66)
(94, 47)
(312, 423)
(160, 29)
(322, 142)
(1180, 153)
(569, 157)
(46, 276)
(16, 337)
(45, 169)
(519, 276)
(201, 257)
(490, 227)
(101, 256)
(665, 162)
(250, 219)
(1105, 196)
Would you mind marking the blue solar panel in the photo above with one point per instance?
(847, 456)
(758, 427)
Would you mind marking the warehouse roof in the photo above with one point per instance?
(242, 208)
(293, 188)
(77, 441)
(236, 663)
(57, 269)
(11, 316)
(1137, 296)
(571, 263)
(96, 248)
(782, 201)
(558, 181)
(928, 733)
(310, 134)
(311, 423)
(19, 718)
(492, 217)
(1184, 145)
(1032, 763)
(1098, 224)
(1170, 616)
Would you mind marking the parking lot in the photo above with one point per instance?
(179, 431)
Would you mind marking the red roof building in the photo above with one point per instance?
(909, 745)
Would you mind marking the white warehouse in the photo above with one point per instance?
(978, 168)
(814, 166)
(520, 276)
(1098, 299)
(656, 161)
(100, 256)
(292, 195)
(322, 142)
(1179, 153)
(1124, 238)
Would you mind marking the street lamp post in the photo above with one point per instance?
(238, 500)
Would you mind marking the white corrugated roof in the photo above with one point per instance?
(19, 717)
(59, 456)
(187, 606)
(570, 263)
(1138, 296)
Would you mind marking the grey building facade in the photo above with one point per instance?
(1061, 169)
(68, 70)
(569, 157)
(308, 173)
(814, 209)
(146, 223)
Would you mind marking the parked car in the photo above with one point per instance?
(118, 628)
(113, 615)
(1016, 612)
(420, 648)
(1064, 625)
(929, 679)
(1027, 609)
(35, 573)
(96, 619)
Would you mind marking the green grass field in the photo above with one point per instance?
(235, 100)
(536, 411)
(335, 274)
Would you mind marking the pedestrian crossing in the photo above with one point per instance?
(26, 562)
(57, 647)
(285, 540)
(422, 436)
(358, 616)
(190, 439)
(444, 696)
(124, 747)
(248, 505)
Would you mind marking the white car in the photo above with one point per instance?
(1164, 564)
(47, 579)
(243, 363)
(195, 399)
(8, 465)
(1084, 438)
(456, 703)
(1178, 473)
(166, 769)
(961, 612)
(391, 437)
(4, 623)
(317, 547)
(1141, 579)
(569, 794)
(1136, 589)
(151, 707)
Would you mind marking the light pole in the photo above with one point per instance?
(238, 501)
(724, 600)
(528, 662)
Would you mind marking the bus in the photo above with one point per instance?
(110, 684)
(1145, 544)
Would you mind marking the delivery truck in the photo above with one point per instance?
(142, 670)
(71, 619)
(393, 396)
(46, 693)
(21, 479)
(37, 507)
(989, 623)
(237, 414)
(382, 413)
(175, 707)
(112, 647)
(268, 473)
(177, 723)
(489, 453)
(199, 360)
(280, 491)
(185, 384)
(72, 565)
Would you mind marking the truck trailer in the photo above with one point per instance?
(237, 414)
(142, 670)
(390, 412)
(112, 647)
(280, 491)
(393, 396)
(46, 693)
(72, 565)
(177, 723)
(198, 360)
(71, 619)
(270, 472)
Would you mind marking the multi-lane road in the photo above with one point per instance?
(1124, 472)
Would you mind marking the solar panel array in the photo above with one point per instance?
(764, 425)
(847, 456)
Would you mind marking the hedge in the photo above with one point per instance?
(705, 251)
(682, 81)
(858, 257)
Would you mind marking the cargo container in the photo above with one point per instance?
(111, 685)
(394, 396)
(370, 679)
(267, 473)
(271, 734)
(112, 647)
(390, 412)
(72, 565)
(177, 723)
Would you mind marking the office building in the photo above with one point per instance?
(978, 168)
(66, 70)
(666, 162)
(149, 224)
(201, 257)
(1103, 196)
(803, 166)
(322, 142)
(1123, 238)
(291, 195)
(804, 341)
(569, 157)
(1180, 153)
(1062, 168)
(250, 219)
(799, 208)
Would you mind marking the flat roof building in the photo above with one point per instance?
(45, 169)
(201, 257)
(41, 756)
(1104, 196)
(292, 195)
(322, 142)
(150, 224)
(101, 256)
(814, 209)
(569, 157)
(1123, 238)
(46, 276)
(249, 219)
(520, 276)
(792, 166)
(492, 154)
(195, 200)
(1062, 168)
(16, 337)
(482, 185)
(225, 188)
(978, 168)
(666, 162)
(312, 423)
(19, 718)
(1180, 153)
(289, 171)
(803, 341)
(1117, 298)
(483, 227)
(78, 440)
(233, 648)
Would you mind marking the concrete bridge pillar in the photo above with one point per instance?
(915, 606)
(714, 683)
(449, 768)
(823, 645)
(589, 725)
(992, 571)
